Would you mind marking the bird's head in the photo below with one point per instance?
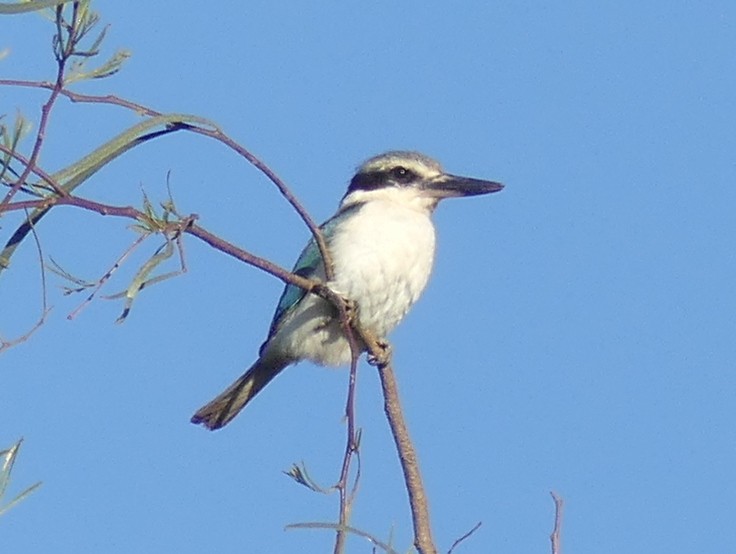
(411, 178)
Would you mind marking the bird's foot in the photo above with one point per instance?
(351, 309)
(382, 357)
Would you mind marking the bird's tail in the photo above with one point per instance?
(220, 411)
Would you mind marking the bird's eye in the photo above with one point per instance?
(402, 174)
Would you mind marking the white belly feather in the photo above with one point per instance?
(383, 257)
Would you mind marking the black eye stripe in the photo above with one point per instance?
(368, 181)
(373, 180)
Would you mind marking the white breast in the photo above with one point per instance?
(382, 258)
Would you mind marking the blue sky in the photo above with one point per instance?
(577, 334)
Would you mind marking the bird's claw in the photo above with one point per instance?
(382, 357)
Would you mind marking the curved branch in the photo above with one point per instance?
(213, 132)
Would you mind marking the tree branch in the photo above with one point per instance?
(555, 537)
(409, 462)
(45, 113)
(214, 132)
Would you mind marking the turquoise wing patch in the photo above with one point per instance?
(309, 261)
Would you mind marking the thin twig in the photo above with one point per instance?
(346, 529)
(44, 288)
(351, 443)
(109, 273)
(35, 169)
(465, 536)
(45, 114)
(45, 309)
(556, 536)
(9, 343)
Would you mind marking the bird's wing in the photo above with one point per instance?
(308, 265)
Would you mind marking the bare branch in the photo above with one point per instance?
(45, 114)
(45, 309)
(555, 537)
(54, 186)
(465, 536)
(213, 132)
(348, 313)
(423, 540)
(9, 343)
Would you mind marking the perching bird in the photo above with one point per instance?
(382, 244)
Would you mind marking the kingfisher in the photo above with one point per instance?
(382, 244)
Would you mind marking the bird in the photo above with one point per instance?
(382, 245)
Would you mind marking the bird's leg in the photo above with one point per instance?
(341, 304)
(382, 354)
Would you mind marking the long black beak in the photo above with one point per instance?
(449, 186)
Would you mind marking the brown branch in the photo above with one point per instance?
(261, 263)
(45, 114)
(35, 169)
(216, 134)
(283, 189)
(409, 462)
(78, 202)
(348, 320)
(192, 229)
(555, 537)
